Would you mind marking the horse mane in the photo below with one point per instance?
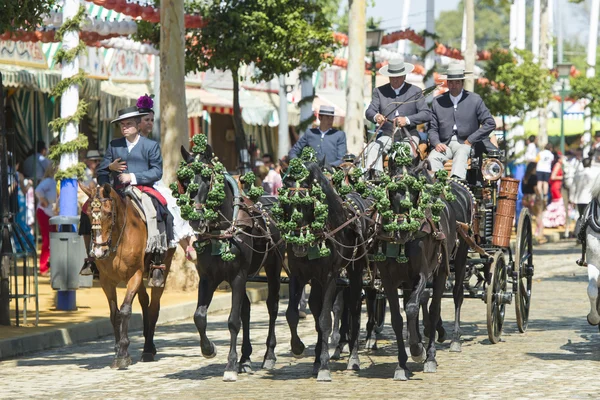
(596, 188)
(336, 215)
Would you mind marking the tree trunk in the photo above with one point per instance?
(306, 109)
(240, 136)
(470, 52)
(283, 144)
(5, 244)
(173, 107)
(591, 61)
(543, 110)
(355, 109)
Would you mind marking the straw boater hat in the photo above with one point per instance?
(327, 110)
(127, 113)
(455, 72)
(396, 68)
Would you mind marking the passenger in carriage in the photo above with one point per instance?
(134, 160)
(328, 142)
(397, 103)
(460, 120)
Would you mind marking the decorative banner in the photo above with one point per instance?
(93, 63)
(25, 54)
(127, 66)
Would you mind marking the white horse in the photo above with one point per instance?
(592, 256)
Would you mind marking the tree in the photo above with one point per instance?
(583, 87)
(277, 36)
(23, 14)
(513, 89)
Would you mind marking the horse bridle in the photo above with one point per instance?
(96, 214)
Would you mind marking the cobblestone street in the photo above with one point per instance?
(558, 357)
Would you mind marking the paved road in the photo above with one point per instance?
(557, 358)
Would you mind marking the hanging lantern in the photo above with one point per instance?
(57, 19)
(132, 27)
(123, 27)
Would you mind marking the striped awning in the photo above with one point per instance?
(31, 78)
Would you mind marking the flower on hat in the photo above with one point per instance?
(145, 101)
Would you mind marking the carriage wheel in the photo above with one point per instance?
(380, 306)
(496, 297)
(523, 269)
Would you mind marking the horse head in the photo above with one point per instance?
(103, 216)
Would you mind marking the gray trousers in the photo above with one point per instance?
(376, 150)
(457, 152)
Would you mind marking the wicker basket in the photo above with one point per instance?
(505, 211)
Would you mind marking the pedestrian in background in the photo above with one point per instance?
(46, 195)
(582, 188)
(555, 214)
(531, 151)
(30, 168)
(545, 160)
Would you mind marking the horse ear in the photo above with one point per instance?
(106, 189)
(88, 190)
(322, 162)
(186, 155)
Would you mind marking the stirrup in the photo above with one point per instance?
(89, 267)
(156, 277)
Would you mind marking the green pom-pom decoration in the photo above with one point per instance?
(338, 177)
(317, 225)
(185, 173)
(405, 204)
(308, 154)
(379, 257)
(324, 250)
(345, 189)
(249, 178)
(174, 187)
(255, 192)
(436, 218)
(210, 215)
(402, 259)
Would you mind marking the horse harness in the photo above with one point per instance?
(96, 214)
(590, 218)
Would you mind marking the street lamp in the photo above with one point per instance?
(564, 71)
(374, 38)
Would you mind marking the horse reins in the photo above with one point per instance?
(96, 204)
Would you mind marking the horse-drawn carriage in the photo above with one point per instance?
(493, 270)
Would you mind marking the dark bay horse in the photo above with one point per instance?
(425, 259)
(118, 243)
(342, 235)
(250, 241)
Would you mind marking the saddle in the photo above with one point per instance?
(591, 219)
(140, 197)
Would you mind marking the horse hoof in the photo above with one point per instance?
(298, 350)
(401, 374)
(430, 367)
(268, 364)
(147, 357)
(121, 363)
(420, 358)
(316, 368)
(230, 376)
(212, 354)
(371, 344)
(442, 337)
(335, 340)
(246, 367)
(455, 347)
(592, 320)
(337, 353)
(353, 364)
(324, 376)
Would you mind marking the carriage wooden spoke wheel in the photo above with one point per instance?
(497, 296)
(523, 270)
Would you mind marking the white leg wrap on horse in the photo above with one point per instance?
(593, 275)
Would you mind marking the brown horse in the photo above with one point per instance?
(118, 243)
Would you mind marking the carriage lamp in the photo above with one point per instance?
(492, 169)
(374, 38)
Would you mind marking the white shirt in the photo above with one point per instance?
(455, 101)
(324, 132)
(544, 164)
(531, 152)
(130, 146)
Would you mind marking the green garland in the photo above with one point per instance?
(77, 170)
(59, 124)
(69, 147)
(71, 24)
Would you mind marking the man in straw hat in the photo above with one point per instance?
(396, 104)
(459, 121)
(328, 142)
(135, 161)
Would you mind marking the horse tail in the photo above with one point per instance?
(596, 188)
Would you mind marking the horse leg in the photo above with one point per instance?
(391, 291)
(292, 316)
(353, 308)
(144, 300)
(338, 308)
(245, 362)
(412, 317)
(424, 303)
(238, 293)
(371, 296)
(593, 275)
(460, 270)
(274, 282)
(206, 290)
(315, 302)
(325, 325)
(439, 284)
(110, 290)
(123, 360)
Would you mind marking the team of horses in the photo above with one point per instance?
(351, 233)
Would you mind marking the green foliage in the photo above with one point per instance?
(75, 171)
(72, 24)
(69, 147)
(514, 88)
(277, 36)
(583, 87)
(23, 14)
(64, 84)
(60, 123)
(68, 56)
